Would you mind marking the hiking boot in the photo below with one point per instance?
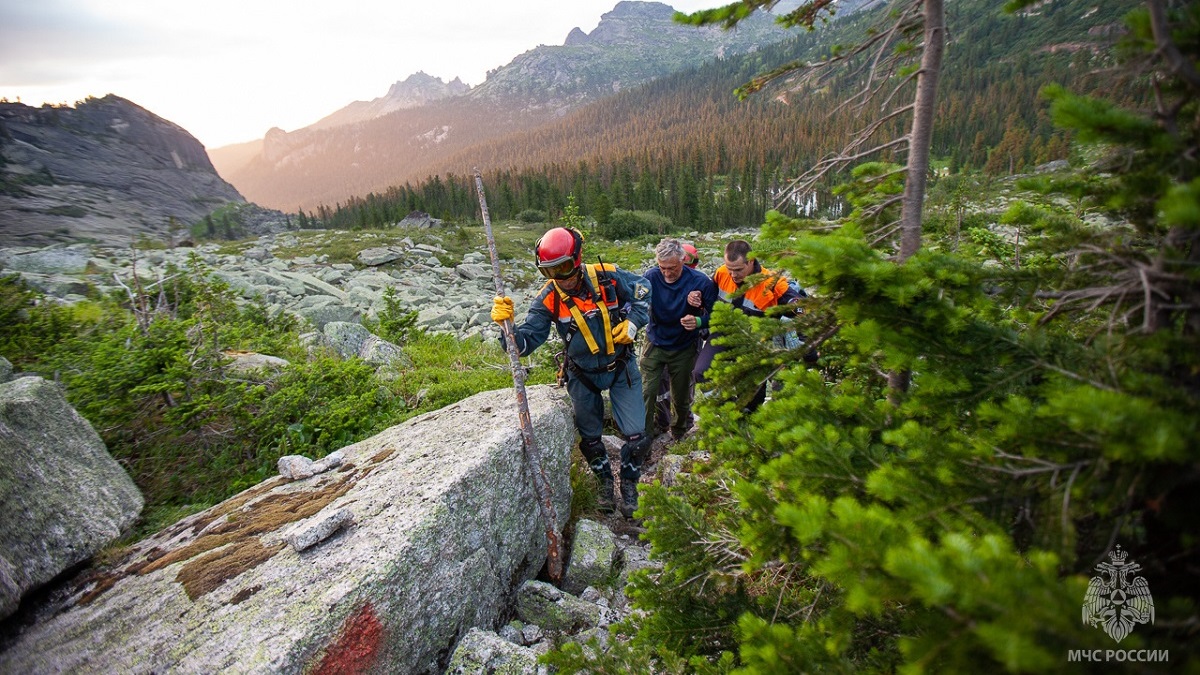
(604, 492)
(629, 497)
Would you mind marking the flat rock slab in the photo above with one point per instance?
(445, 527)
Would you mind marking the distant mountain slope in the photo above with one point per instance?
(107, 171)
(415, 91)
(635, 43)
(229, 158)
(684, 146)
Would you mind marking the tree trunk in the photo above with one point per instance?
(917, 173)
(922, 129)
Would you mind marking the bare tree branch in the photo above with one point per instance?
(1178, 64)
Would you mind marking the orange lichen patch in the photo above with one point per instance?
(267, 515)
(234, 503)
(382, 455)
(237, 538)
(204, 574)
(357, 646)
(103, 581)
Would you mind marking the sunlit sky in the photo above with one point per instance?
(229, 70)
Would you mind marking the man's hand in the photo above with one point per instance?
(693, 299)
(502, 309)
(624, 333)
(688, 322)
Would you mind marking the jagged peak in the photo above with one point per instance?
(575, 37)
(637, 8)
(422, 76)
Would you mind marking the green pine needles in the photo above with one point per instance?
(1053, 413)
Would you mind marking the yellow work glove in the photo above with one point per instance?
(624, 333)
(502, 309)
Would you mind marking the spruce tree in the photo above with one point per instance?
(1053, 414)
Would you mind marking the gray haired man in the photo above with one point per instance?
(687, 296)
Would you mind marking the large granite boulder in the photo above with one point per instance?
(50, 260)
(62, 495)
(443, 528)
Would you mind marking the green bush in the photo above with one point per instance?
(394, 324)
(625, 224)
(532, 216)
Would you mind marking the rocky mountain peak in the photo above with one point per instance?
(635, 9)
(575, 37)
(634, 43)
(106, 170)
(421, 87)
(414, 91)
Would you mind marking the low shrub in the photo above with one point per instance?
(624, 224)
(154, 385)
(532, 216)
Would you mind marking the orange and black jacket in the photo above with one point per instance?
(771, 291)
(621, 295)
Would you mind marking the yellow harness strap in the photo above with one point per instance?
(608, 342)
(580, 322)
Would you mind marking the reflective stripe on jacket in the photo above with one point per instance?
(623, 294)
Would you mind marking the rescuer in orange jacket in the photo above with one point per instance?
(597, 311)
(771, 291)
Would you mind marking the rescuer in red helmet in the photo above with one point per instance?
(691, 257)
(597, 310)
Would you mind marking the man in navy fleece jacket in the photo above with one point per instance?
(681, 296)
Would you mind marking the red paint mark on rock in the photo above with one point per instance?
(357, 646)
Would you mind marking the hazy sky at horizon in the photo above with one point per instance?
(228, 70)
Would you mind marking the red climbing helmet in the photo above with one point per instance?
(691, 257)
(559, 253)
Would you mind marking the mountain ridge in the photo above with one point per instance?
(415, 90)
(106, 170)
(634, 43)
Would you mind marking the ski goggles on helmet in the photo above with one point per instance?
(563, 268)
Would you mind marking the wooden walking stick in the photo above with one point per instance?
(533, 454)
